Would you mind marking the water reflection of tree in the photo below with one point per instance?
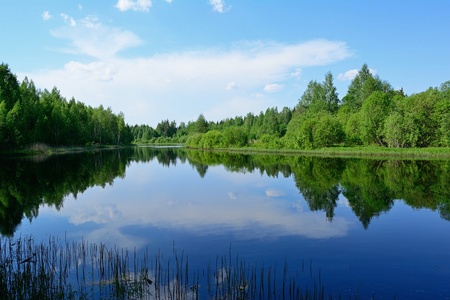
(318, 181)
(26, 184)
(370, 185)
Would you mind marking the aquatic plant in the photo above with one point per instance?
(57, 269)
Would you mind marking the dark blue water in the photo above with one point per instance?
(378, 245)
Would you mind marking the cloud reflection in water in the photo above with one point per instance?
(255, 207)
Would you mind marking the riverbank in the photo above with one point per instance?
(355, 151)
(47, 150)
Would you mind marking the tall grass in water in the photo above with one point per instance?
(56, 269)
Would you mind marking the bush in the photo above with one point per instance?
(352, 130)
(211, 139)
(372, 116)
(235, 137)
(327, 131)
(193, 141)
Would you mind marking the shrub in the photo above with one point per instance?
(235, 137)
(193, 141)
(212, 139)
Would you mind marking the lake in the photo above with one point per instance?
(365, 227)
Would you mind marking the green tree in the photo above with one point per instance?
(330, 95)
(235, 137)
(362, 86)
(201, 125)
(9, 87)
(312, 98)
(373, 114)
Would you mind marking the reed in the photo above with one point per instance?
(58, 269)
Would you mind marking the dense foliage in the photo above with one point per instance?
(371, 113)
(29, 116)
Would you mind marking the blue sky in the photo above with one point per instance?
(161, 59)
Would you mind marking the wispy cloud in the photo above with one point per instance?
(219, 6)
(68, 20)
(138, 5)
(274, 193)
(232, 86)
(149, 87)
(296, 73)
(46, 16)
(351, 74)
(272, 88)
(96, 40)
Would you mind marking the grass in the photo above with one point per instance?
(43, 149)
(354, 151)
(55, 269)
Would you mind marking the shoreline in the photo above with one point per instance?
(48, 151)
(348, 152)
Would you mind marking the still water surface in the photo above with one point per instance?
(377, 227)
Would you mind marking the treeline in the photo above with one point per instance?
(236, 131)
(29, 116)
(371, 113)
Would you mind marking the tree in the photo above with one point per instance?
(312, 97)
(201, 124)
(9, 87)
(320, 96)
(362, 86)
(329, 94)
(235, 136)
(373, 114)
(120, 126)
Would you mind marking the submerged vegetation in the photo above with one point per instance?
(55, 269)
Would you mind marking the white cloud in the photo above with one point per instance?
(138, 5)
(219, 6)
(96, 40)
(274, 193)
(149, 88)
(80, 7)
(90, 21)
(274, 87)
(232, 86)
(97, 71)
(169, 1)
(68, 20)
(257, 95)
(232, 195)
(351, 74)
(46, 16)
(296, 73)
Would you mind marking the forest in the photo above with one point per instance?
(371, 113)
(30, 117)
